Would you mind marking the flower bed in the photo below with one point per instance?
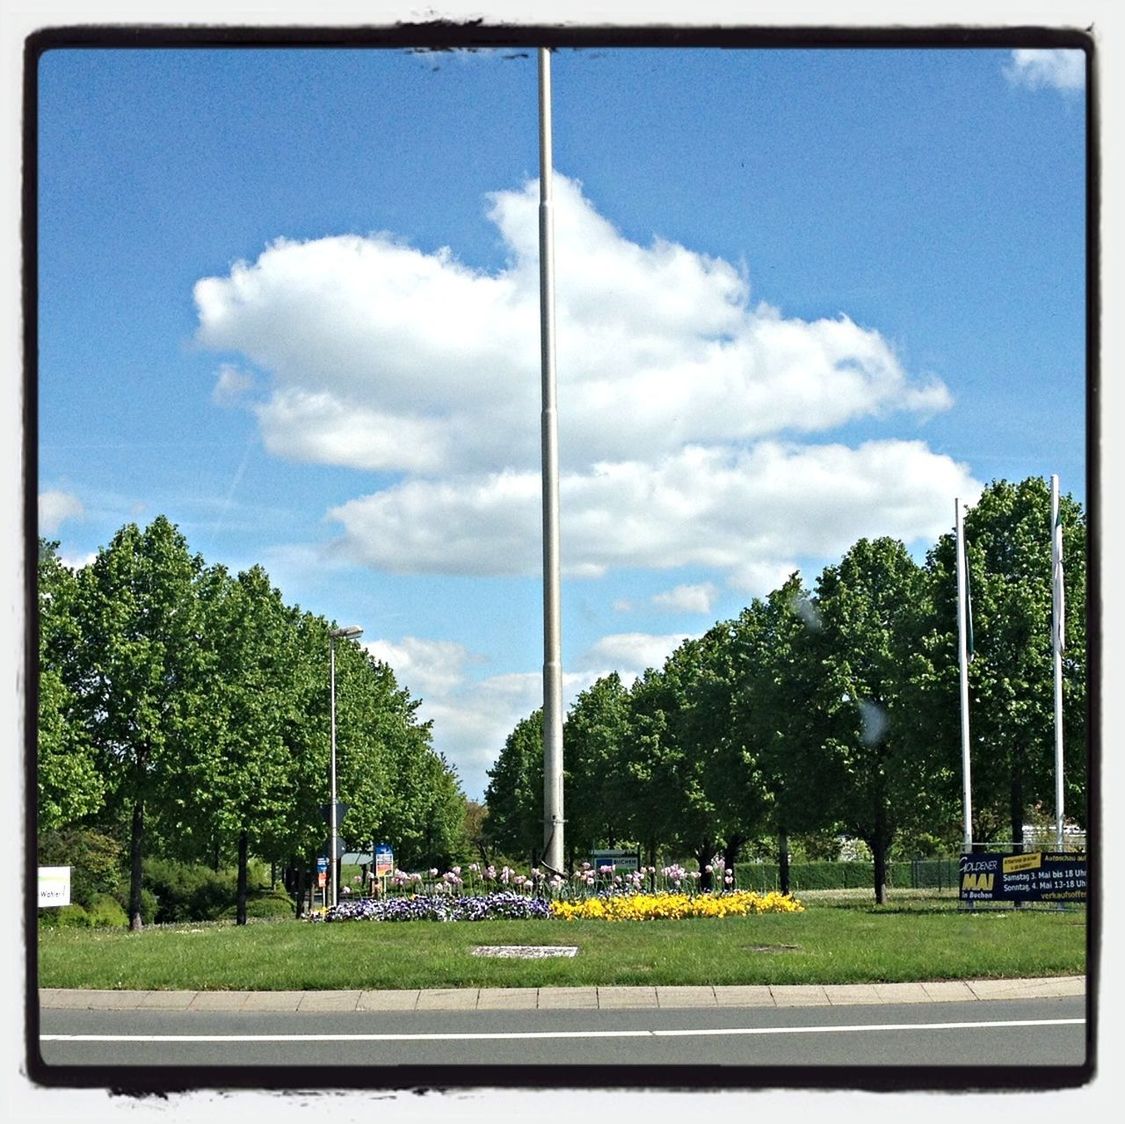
(667, 906)
(503, 905)
(510, 905)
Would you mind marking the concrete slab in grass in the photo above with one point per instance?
(507, 999)
(744, 995)
(685, 996)
(329, 1001)
(448, 999)
(218, 1000)
(554, 998)
(387, 1000)
(800, 995)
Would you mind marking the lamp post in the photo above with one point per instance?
(348, 633)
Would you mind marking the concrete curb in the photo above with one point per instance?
(559, 998)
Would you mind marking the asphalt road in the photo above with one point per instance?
(992, 1041)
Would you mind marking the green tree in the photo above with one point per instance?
(593, 739)
(237, 777)
(774, 708)
(1011, 706)
(514, 795)
(137, 651)
(680, 758)
(69, 785)
(871, 606)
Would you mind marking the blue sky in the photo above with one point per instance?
(289, 299)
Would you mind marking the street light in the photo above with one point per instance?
(348, 633)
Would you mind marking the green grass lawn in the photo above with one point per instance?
(834, 941)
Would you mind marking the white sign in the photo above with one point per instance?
(54, 885)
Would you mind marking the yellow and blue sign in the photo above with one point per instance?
(1035, 876)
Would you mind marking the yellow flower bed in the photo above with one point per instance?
(667, 907)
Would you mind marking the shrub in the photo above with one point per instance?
(107, 912)
(95, 861)
(189, 891)
(72, 916)
(149, 905)
(267, 907)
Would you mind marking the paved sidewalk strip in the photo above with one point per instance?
(562, 998)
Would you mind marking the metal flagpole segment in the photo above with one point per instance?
(552, 647)
(332, 771)
(1057, 621)
(963, 661)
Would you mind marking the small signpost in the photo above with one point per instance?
(384, 859)
(54, 886)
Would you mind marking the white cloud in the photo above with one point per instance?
(430, 668)
(747, 513)
(231, 386)
(472, 717)
(55, 508)
(687, 598)
(630, 654)
(78, 561)
(385, 357)
(1057, 69)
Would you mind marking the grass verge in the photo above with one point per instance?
(835, 941)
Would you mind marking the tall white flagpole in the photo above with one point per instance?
(552, 644)
(963, 661)
(1057, 623)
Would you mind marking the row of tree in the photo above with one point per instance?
(186, 709)
(834, 709)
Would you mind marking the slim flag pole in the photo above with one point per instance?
(1057, 623)
(552, 645)
(963, 627)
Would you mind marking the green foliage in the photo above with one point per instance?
(267, 907)
(95, 861)
(1008, 535)
(515, 791)
(836, 712)
(70, 786)
(188, 710)
(189, 891)
(71, 916)
(106, 912)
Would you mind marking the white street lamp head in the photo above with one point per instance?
(346, 633)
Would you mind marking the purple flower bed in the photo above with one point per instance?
(504, 905)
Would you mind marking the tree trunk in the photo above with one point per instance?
(1016, 804)
(703, 856)
(299, 889)
(878, 845)
(879, 853)
(136, 850)
(240, 909)
(782, 861)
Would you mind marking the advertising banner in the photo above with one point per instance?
(384, 859)
(1036, 876)
(618, 860)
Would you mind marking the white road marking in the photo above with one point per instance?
(478, 1036)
